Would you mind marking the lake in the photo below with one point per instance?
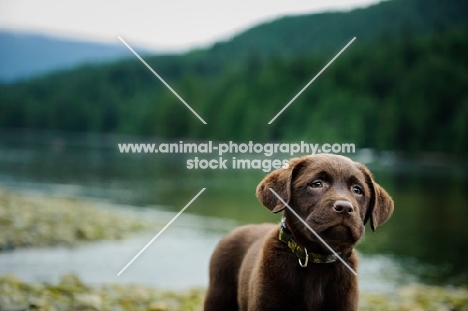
(424, 241)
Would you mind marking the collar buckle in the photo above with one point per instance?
(304, 265)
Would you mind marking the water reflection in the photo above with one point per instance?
(427, 235)
(428, 229)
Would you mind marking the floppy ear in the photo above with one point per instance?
(280, 182)
(381, 204)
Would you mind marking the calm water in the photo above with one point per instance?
(426, 239)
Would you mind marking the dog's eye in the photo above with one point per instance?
(357, 190)
(316, 184)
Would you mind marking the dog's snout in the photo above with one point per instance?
(341, 206)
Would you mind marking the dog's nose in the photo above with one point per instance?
(341, 206)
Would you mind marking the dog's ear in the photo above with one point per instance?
(380, 205)
(280, 182)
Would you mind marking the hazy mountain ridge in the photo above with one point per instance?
(24, 55)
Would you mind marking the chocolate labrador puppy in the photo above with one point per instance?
(286, 267)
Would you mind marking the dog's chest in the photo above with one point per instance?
(312, 288)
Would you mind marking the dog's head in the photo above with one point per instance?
(333, 194)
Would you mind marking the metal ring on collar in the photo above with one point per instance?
(303, 265)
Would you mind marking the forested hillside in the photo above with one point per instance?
(300, 35)
(402, 90)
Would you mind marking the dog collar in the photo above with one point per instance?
(301, 252)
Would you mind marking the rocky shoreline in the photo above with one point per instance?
(38, 221)
(32, 220)
(70, 294)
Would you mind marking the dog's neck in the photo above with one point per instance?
(301, 252)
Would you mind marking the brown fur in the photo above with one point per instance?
(251, 270)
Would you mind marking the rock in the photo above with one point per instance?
(157, 306)
(15, 308)
(37, 303)
(10, 279)
(92, 301)
(71, 283)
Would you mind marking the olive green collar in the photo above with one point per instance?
(301, 252)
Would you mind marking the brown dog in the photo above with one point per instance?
(270, 267)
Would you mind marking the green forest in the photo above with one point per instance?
(402, 85)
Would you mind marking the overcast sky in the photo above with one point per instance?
(160, 25)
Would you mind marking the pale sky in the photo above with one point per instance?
(160, 25)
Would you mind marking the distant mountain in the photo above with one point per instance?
(25, 55)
